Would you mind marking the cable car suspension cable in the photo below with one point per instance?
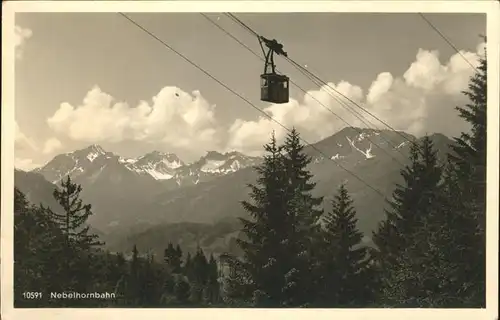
(246, 27)
(248, 102)
(342, 103)
(323, 83)
(299, 66)
(446, 40)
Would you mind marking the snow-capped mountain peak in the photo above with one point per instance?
(160, 165)
(355, 145)
(94, 151)
(75, 163)
(93, 161)
(170, 160)
(216, 162)
(213, 164)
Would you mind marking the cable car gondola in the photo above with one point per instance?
(273, 86)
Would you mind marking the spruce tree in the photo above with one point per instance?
(178, 259)
(412, 204)
(133, 281)
(212, 292)
(279, 238)
(303, 212)
(78, 245)
(444, 264)
(237, 284)
(343, 257)
(200, 275)
(72, 220)
(265, 256)
(37, 264)
(188, 266)
(469, 190)
(150, 282)
(172, 257)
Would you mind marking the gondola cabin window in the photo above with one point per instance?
(274, 88)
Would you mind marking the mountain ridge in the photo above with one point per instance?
(156, 164)
(127, 201)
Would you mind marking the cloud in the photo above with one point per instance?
(175, 118)
(20, 37)
(23, 142)
(416, 102)
(311, 118)
(23, 145)
(420, 101)
(25, 164)
(51, 145)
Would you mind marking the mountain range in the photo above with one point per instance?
(149, 199)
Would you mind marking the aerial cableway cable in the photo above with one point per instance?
(447, 40)
(316, 80)
(310, 95)
(299, 66)
(248, 102)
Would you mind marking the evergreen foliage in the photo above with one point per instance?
(412, 204)
(467, 176)
(344, 260)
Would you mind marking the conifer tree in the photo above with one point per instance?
(444, 265)
(150, 281)
(278, 246)
(168, 253)
(468, 182)
(79, 245)
(188, 266)
(172, 257)
(133, 283)
(237, 284)
(304, 213)
(36, 263)
(212, 293)
(412, 205)
(72, 221)
(265, 257)
(178, 252)
(343, 258)
(200, 274)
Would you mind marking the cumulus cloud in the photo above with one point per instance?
(23, 142)
(311, 118)
(420, 101)
(51, 145)
(23, 145)
(175, 118)
(25, 164)
(20, 37)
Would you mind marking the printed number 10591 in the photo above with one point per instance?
(32, 295)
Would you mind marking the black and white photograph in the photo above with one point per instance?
(213, 157)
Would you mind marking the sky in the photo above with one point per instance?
(95, 78)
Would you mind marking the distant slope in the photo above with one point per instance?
(212, 238)
(127, 201)
(207, 202)
(120, 189)
(36, 188)
(40, 191)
